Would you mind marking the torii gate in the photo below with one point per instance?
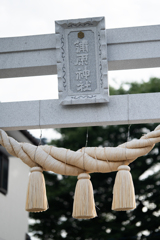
(127, 48)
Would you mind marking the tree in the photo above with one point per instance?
(142, 223)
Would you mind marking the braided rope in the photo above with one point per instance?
(51, 158)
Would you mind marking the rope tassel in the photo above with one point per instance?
(36, 200)
(68, 162)
(84, 205)
(123, 191)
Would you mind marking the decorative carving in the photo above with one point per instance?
(82, 61)
(100, 64)
(83, 96)
(64, 77)
(63, 67)
(62, 47)
(99, 41)
(86, 24)
(101, 75)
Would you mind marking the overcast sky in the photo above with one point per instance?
(32, 17)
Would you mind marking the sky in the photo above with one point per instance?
(34, 17)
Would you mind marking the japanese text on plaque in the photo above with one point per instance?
(82, 72)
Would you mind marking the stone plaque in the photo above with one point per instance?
(82, 66)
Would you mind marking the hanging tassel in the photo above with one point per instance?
(84, 205)
(123, 191)
(36, 200)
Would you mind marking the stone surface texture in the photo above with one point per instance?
(127, 48)
(82, 61)
(122, 109)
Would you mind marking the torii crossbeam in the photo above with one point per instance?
(127, 48)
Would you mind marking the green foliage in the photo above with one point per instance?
(110, 225)
(153, 85)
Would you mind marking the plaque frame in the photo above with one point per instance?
(63, 29)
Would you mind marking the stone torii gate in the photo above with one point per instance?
(127, 48)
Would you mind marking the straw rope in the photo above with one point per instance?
(95, 159)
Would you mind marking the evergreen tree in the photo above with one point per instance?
(142, 223)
